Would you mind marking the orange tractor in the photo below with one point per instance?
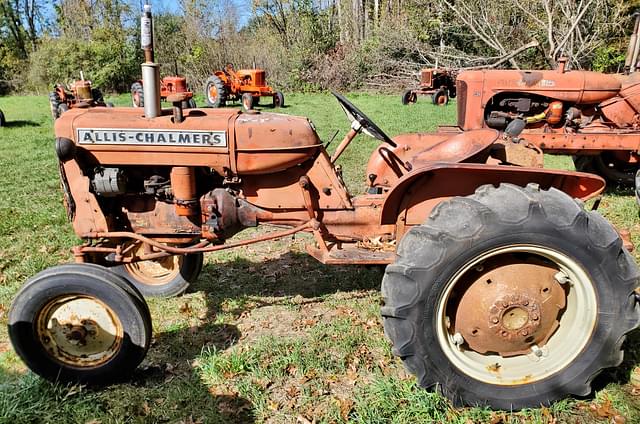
(80, 94)
(440, 84)
(168, 86)
(595, 117)
(500, 289)
(247, 85)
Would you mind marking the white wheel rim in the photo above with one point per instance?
(80, 331)
(577, 324)
(156, 272)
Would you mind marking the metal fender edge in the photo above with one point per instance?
(418, 192)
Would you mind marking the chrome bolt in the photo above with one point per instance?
(536, 350)
(562, 278)
(458, 339)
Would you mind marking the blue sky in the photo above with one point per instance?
(243, 7)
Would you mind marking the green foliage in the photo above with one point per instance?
(608, 59)
(109, 62)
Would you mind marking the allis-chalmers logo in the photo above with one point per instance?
(147, 137)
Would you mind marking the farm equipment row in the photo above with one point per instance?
(247, 85)
(79, 94)
(502, 291)
(439, 84)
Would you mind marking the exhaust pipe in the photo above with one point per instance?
(150, 69)
(634, 46)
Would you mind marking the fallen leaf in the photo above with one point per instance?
(185, 308)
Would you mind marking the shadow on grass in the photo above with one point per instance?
(20, 124)
(291, 274)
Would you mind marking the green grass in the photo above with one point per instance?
(266, 334)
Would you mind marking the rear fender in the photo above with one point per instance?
(416, 150)
(411, 200)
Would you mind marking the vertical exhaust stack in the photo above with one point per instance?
(150, 69)
(631, 61)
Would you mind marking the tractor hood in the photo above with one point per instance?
(227, 140)
(580, 87)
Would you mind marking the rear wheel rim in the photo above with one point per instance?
(577, 322)
(156, 272)
(79, 331)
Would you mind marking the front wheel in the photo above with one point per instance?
(409, 97)
(2, 120)
(278, 99)
(80, 323)
(440, 98)
(166, 277)
(248, 101)
(137, 94)
(512, 298)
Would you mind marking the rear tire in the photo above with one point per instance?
(409, 97)
(215, 93)
(137, 94)
(80, 323)
(54, 102)
(167, 277)
(615, 172)
(466, 238)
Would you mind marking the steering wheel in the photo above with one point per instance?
(367, 125)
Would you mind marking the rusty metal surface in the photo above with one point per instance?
(183, 187)
(387, 164)
(417, 193)
(506, 305)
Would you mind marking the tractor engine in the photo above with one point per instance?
(573, 99)
(170, 180)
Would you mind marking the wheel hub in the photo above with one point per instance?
(80, 331)
(506, 307)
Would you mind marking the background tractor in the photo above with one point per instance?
(248, 85)
(79, 94)
(168, 86)
(440, 84)
(500, 289)
(594, 117)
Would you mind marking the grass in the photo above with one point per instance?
(266, 334)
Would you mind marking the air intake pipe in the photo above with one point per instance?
(150, 69)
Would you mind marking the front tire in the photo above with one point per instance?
(80, 323)
(166, 277)
(409, 97)
(248, 101)
(2, 120)
(511, 297)
(137, 94)
(440, 98)
(278, 99)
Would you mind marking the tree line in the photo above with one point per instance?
(306, 44)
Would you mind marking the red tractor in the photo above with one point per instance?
(168, 86)
(500, 289)
(80, 94)
(248, 85)
(440, 84)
